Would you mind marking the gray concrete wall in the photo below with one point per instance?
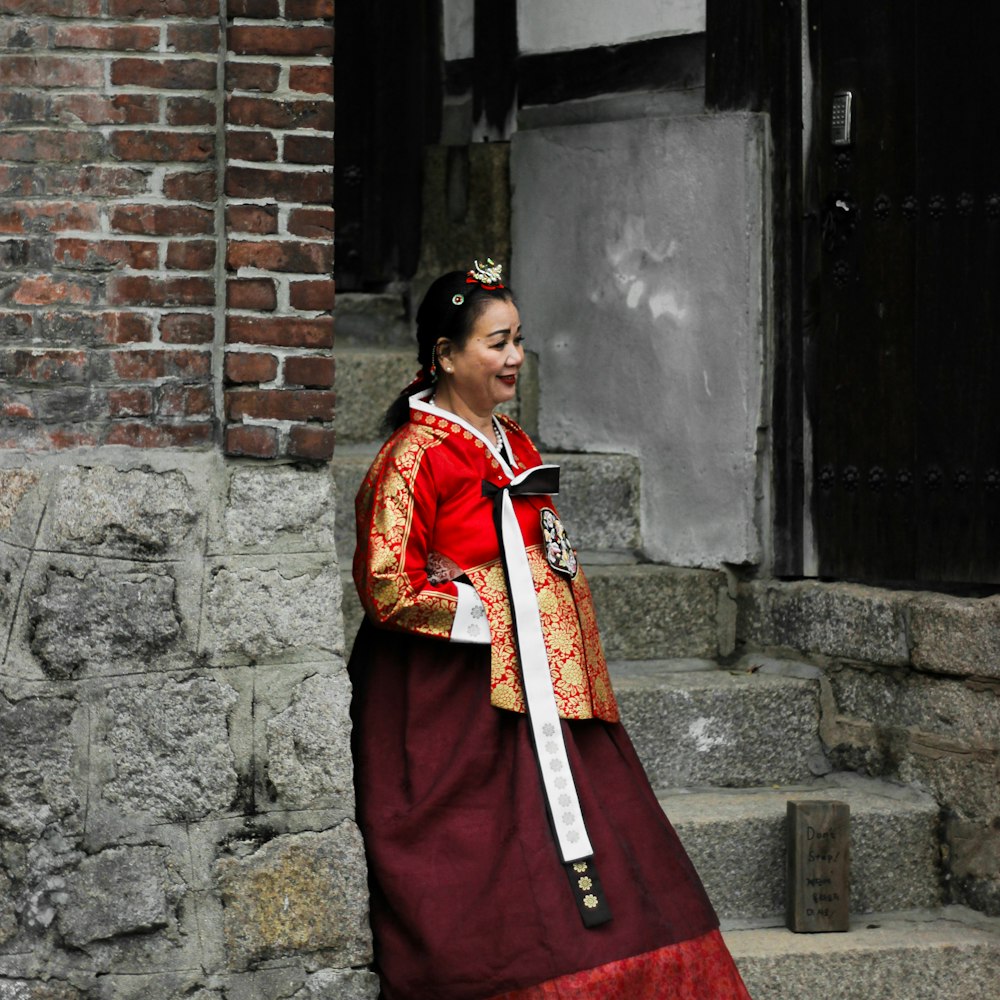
(176, 816)
(638, 261)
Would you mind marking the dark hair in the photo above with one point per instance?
(440, 316)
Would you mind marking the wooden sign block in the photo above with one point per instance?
(819, 866)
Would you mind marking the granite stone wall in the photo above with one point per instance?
(175, 780)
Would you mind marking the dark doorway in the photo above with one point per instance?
(903, 351)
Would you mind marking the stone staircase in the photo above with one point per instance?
(726, 740)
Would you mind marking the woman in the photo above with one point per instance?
(515, 848)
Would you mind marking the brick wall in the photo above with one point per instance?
(166, 225)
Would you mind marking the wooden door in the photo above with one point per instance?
(904, 352)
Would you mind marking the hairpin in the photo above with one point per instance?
(487, 275)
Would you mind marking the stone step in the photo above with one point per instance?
(598, 499)
(736, 839)
(694, 725)
(947, 954)
(369, 379)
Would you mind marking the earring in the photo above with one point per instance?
(433, 370)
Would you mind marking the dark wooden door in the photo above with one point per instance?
(904, 348)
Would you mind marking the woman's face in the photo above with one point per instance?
(482, 373)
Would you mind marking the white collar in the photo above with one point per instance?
(420, 402)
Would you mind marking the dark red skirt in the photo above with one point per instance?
(469, 900)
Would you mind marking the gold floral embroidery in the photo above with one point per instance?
(579, 671)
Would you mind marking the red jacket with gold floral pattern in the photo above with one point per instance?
(421, 503)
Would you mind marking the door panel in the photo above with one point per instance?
(906, 413)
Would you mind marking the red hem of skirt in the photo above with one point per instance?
(699, 969)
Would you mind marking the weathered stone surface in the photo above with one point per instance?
(950, 708)
(123, 890)
(13, 564)
(649, 611)
(36, 766)
(280, 505)
(102, 617)
(367, 382)
(298, 894)
(109, 511)
(373, 320)
(974, 862)
(347, 984)
(183, 984)
(170, 747)
(837, 619)
(50, 989)
(736, 840)
(259, 611)
(15, 484)
(309, 746)
(599, 500)
(953, 635)
(952, 955)
(715, 728)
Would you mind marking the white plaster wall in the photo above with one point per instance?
(556, 25)
(457, 28)
(637, 264)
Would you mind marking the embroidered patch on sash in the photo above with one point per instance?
(558, 550)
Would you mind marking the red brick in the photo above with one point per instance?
(160, 436)
(312, 295)
(19, 109)
(250, 40)
(308, 149)
(251, 146)
(268, 113)
(268, 255)
(185, 401)
(280, 331)
(312, 372)
(191, 255)
(187, 328)
(16, 410)
(311, 79)
(193, 37)
(16, 34)
(197, 185)
(89, 109)
(159, 8)
(143, 291)
(253, 442)
(127, 328)
(139, 366)
(252, 76)
(98, 254)
(279, 404)
(52, 146)
(46, 366)
(160, 147)
(145, 366)
(130, 402)
(304, 187)
(312, 443)
(116, 38)
(308, 10)
(312, 223)
(69, 439)
(190, 111)
(54, 8)
(253, 8)
(164, 74)
(50, 71)
(43, 291)
(258, 219)
(163, 220)
(251, 293)
(48, 216)
(245, 367)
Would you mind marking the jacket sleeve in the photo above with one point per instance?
(396, 508)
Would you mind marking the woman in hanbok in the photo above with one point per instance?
(514, 845)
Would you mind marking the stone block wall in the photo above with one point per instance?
(166, 224)
(910, 687)
(176, 816)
